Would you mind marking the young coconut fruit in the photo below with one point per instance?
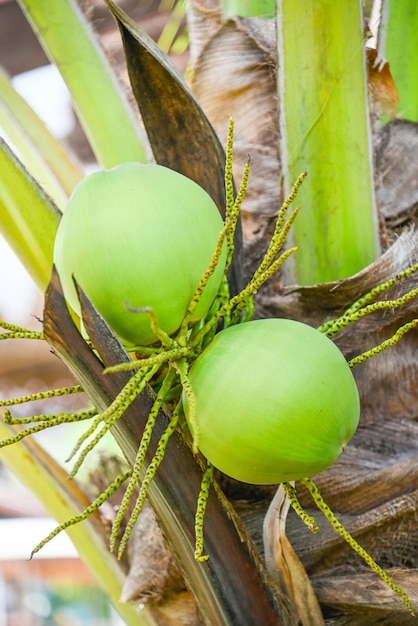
(275, 401)
(139, 236)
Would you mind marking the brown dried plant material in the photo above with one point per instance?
(285, 566)
(154, 577)
(235, 75)
(396, 150)
(204, 18)
(383, 96)
(373, 603)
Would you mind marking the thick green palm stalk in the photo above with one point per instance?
(398, 43)
(325, 131)
(98, 98)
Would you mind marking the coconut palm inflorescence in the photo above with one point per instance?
(265, 401)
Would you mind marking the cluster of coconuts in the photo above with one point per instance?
(275, 399)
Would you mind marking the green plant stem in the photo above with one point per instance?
(398, 43)
(98, 98)
(325, 131)
(29, 219)
(248, 8)
(173, 26)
